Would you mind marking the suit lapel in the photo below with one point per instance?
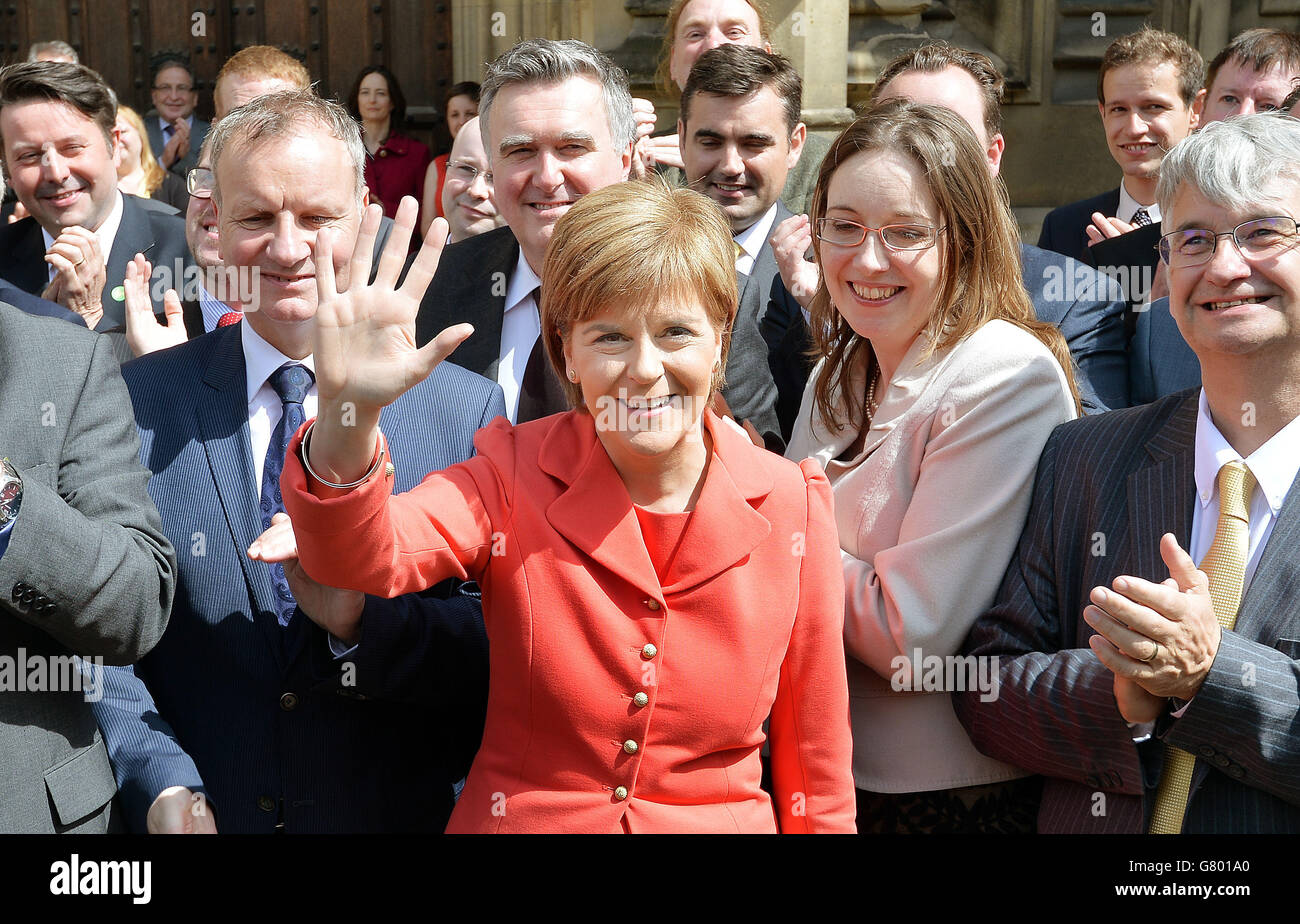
(223, 426)
(595, 512)
(134, 235)
(754, 288)
(485, 276)
(1161, 493)
(1276, 578)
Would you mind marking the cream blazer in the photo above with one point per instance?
(929, 514)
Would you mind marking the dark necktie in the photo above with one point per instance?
(1140, 219)
(291, 382)
(540, 393)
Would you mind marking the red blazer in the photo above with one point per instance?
(748, 624)
(397, 169)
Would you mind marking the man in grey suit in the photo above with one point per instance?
(1155, 694)
(740, 135)
(84, 568)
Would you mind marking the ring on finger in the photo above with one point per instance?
(1155, 650)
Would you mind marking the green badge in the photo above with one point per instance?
(119, 293)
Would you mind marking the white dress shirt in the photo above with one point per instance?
(213, 308)
(264, 406)
(1274, 466)
(105, 234)
(753, 239)
(1128, 206)
(520, 329)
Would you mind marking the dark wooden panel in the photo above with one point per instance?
(351, 30)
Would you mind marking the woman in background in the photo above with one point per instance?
(395, 162)
(138, 173)
(935, 394)
(461, 106)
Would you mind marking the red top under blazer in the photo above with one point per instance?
(748, 624)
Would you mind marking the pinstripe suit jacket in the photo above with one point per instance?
(1107, 488)
(263, 719)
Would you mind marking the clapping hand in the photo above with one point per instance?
(790, 241)
(1161, 638)
(1104, 227)
(143, 332)
(78, 283)
(178, 145)
(365, 351)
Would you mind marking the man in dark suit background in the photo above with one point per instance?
(1153, 693)
(279, 726)
(1149, 96)
(175, 133)
(1085, 305)
(557, 123)
(57, 130)
(84, 566)
(740, 135)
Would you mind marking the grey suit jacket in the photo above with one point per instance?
(1159, 360)
(87, 570)
(198, 131)
(1107, 488)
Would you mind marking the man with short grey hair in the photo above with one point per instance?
(55, 50)
(1146, 627)
(556, 119)
(288, 665)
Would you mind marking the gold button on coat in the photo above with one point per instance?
(621, 793)
(649, 651)
(641, 699)
(630, 746)
(653, 605)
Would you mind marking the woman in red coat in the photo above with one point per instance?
(395, 162)
(655, 587)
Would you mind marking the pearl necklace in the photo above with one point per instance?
(872, 406)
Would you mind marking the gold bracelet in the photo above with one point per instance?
(306, 438)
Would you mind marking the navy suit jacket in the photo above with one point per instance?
(10, 294)
(1064, 228)
(1107, 488)
(1159, 361)
(161, 238)
(277, 732)
(1088, 308)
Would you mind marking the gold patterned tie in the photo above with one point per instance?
(1225, 566)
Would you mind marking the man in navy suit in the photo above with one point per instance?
(57, 130)
(1149, 96)
(248, 710)
(1084, 304)
(1147, 632)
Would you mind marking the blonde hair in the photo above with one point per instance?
(982, 279)
(627, 245)
(153, 173)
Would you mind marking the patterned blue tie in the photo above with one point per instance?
(291, 382)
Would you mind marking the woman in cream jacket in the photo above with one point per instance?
(936, 391)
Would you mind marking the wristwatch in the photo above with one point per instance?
(11, 492)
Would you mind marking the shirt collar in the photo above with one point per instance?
(752, 239)
(1274, 464)
(261, 359)
(1128, 205)
(522, 282)
(105, 234)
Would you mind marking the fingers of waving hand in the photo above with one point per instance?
(364, 249)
